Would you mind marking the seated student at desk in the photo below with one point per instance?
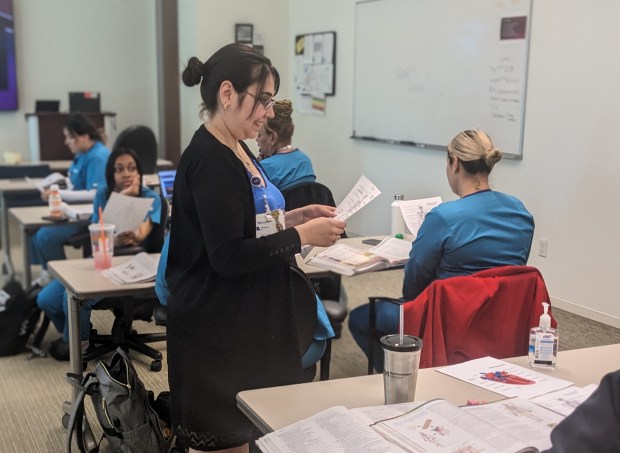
(285, 165)
(483, 229)
(86, 173)
(123, 175)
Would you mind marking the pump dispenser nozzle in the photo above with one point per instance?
(545, 319)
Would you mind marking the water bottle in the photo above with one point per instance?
(398, 221)
(55, 202)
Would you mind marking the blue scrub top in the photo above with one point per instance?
(87, 171)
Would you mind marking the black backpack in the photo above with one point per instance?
(19, 315)
(131, 419)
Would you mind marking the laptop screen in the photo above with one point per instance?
(166, 183)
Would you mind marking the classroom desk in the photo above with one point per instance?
(10, 187)
(83, 282)
(276, 407)
(29, 220)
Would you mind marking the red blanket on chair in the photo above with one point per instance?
(488, 313)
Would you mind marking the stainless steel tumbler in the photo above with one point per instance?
(400, 372)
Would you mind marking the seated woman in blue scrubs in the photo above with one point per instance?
(285, 165)
(86, 174)
(481, 230)
(123, 174)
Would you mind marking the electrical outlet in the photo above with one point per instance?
(542, 247)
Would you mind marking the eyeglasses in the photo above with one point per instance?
(129, 168)
(265, 102)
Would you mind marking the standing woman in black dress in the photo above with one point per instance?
(231, 324)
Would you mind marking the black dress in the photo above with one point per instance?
(230, 321)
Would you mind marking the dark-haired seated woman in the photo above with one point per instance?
(285, 165)
(481, 230)
(123, 175)
(86, 174)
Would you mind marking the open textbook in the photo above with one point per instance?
(506, 426)
(140, 268)
(347, 260)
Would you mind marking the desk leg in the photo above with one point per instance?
(26, 258)
(75, 352)
(7, 265)
(75, 345)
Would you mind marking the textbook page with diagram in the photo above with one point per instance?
(506, 426)
(347, 260)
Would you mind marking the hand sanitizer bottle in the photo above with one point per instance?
(398, 221)
(543, 349)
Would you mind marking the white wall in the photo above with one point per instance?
(569, 174)
(83, 45)
(207, 25)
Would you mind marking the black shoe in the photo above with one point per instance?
(59, 349)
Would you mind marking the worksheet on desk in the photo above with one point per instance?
(362, 193)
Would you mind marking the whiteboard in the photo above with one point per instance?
(427, 69)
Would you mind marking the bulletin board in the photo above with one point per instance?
(428, 69)
(315, 64)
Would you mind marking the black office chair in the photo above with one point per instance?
(306, 317)
(329, 289)
(142, 140)
(128, 309)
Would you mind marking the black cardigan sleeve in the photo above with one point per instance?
(222, 196)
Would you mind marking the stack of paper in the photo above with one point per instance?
(140, 268)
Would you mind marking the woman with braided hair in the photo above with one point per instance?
(285, 165)
(481, 230)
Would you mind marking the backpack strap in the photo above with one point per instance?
(88, 385)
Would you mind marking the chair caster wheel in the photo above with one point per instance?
(156, 365)
(65, 421)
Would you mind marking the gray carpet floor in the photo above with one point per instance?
(32, 391)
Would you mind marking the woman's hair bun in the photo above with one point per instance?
(283, 108)
(492, 156)
(192, 74)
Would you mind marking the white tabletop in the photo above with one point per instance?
(277, 407)
(32, 216)
(18, 185)
(81, 279)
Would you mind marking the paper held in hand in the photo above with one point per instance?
(414, 212)
(45, 183)
(140, 268)
(126, 213)
(348, 260)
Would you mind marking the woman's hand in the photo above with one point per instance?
(126, 239)
(45, 194)
(302, 215)
(134, 189)
(321, 231)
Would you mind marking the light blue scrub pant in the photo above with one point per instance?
(47, 244)
(52, 300)
(386, 322)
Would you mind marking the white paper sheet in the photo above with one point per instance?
(566, 400)
(504, 378)
(414, 211)
(362, 193)
(126, 213)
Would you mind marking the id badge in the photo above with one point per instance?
(269, 223)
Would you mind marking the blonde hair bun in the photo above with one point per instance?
(492, 156)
